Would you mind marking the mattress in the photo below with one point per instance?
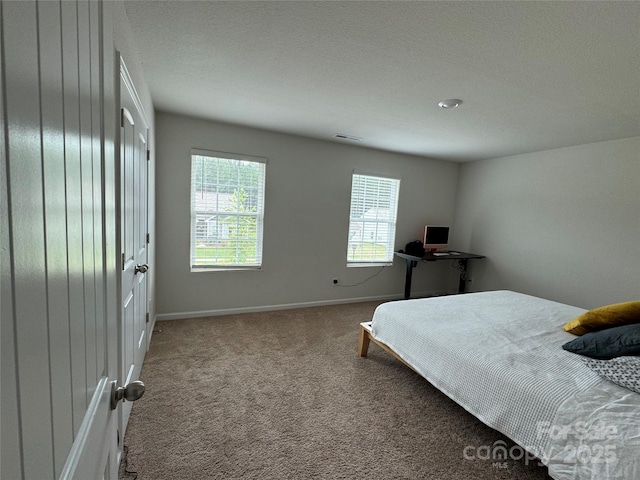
(498, 355)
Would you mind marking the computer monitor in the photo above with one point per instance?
(435, 237)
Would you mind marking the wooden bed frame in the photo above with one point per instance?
(365, 338)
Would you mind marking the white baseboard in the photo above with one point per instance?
(284, 306)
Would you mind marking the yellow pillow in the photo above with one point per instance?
(604, 317)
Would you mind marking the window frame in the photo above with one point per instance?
(196, 213)
(392, 222)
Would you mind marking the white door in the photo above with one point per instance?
(133, 208)
(60, 263)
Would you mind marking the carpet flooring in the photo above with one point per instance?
(283, 395)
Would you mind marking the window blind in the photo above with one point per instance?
(372, 219)
(227, 210)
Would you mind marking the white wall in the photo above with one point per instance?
(561, 224)
(308, 185)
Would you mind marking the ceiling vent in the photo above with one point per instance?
(351, 138)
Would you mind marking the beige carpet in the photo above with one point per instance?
(282, 395)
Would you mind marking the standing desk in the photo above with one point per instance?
(462, 258)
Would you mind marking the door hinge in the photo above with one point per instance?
(123, 261)
(148, 238)
(121, 117)
(147, 317)
(148, 155)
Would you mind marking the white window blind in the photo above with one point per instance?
(372, 219)
(227, 210)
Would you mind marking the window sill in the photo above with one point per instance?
(224, 269)
(369, 264)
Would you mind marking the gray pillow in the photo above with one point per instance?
(625, 371)
(607, 343)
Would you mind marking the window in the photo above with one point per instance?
(227, 210)
(372, 220)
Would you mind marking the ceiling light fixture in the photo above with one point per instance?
(450, 103)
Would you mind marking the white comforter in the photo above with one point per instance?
(499, 355)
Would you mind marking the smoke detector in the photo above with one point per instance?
(450, 103)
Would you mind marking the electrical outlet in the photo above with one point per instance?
(335, 281)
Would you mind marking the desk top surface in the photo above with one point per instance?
(448, 255)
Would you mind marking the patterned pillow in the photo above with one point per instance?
(624, 371)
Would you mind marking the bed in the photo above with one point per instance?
(498, 354)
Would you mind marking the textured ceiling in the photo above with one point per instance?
(532, 75)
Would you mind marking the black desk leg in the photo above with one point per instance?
(407, 278)
(463, 275)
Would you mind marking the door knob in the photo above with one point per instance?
(132, 392)
(141, 268)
